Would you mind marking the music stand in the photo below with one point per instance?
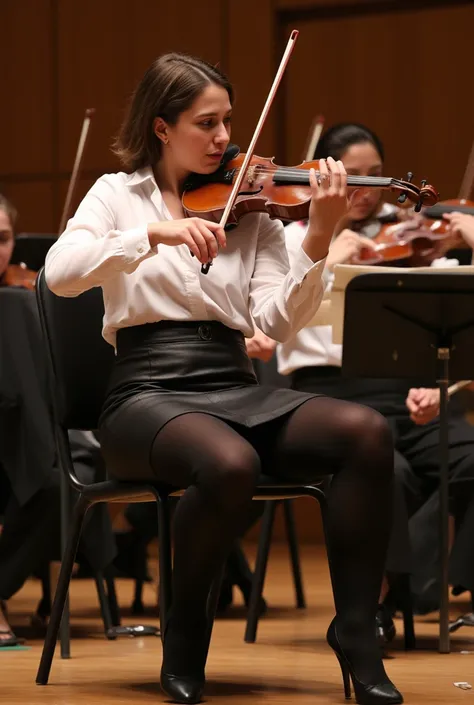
(420, 326)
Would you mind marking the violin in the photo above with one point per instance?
(247, 183)
(408, 243)
(19, 275)
(282, 192)
(418, 243)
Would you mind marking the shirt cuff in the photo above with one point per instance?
(303, 267)
(136, 244)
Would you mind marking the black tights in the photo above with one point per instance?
(220, 465)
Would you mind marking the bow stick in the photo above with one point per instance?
(256, 135)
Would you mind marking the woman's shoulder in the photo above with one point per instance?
(120, 180)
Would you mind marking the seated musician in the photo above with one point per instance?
(313, 363)
(29, 537)
(197, 419)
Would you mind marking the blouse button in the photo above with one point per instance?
(205, 332)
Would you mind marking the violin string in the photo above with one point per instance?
(369, 180)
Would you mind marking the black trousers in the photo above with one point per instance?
(414, 545)
(31, 532)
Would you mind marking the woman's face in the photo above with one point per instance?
(363, 160)
(201, 135)
(6, 241)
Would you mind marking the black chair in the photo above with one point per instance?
(401, 592)
(80, 362)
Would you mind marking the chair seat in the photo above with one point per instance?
(271, 481)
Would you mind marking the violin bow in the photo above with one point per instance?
(266, 108)
(457, 386)
(313, 138)
(76, 168)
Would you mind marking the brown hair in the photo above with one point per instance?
(169, 86)
(9, 209)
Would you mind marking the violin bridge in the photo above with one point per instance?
(251, 175)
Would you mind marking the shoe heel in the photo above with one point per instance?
(346, 679)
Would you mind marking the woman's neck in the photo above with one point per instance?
(171, 185)
(169, 179)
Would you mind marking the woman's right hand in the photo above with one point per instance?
(346, 247)
(201, 236)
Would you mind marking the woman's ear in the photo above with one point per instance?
(160, 129)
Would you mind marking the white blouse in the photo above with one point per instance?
(106, 244)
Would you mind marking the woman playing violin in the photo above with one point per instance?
(314, 364)
(183, 405)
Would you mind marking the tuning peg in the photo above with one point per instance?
(420, 200)
(403, 197)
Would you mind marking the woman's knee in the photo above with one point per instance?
(369, 435)
(232, 475)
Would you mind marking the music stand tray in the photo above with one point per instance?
(414, 326)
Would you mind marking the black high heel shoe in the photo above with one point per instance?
(383, 693)
(181, 689)
(184, 688)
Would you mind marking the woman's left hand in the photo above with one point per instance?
(329, 204)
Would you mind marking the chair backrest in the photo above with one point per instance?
(79, 358)
(32, 248)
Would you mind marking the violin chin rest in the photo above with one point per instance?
(232, 151)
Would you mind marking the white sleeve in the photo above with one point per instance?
(91, 249)
(283, 296)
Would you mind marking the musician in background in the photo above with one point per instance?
(29, 491)
(313, 363)
(7, 239)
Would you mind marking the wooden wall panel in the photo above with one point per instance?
(94, 71)
(26, 81)
(251, 64)
(389, 72)
(34, 203)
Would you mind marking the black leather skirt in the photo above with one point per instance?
(167, 369)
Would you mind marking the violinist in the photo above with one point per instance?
(314, 365)
(183, 404)
(7, 239)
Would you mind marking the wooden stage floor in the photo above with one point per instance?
(290, 663)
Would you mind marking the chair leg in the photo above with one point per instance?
(62, 589)
(104, 605)
(320, 497)
(164, 538)
(407, 610)
(294, 553)
(260, 570)
(112, 597)
(138, 607)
